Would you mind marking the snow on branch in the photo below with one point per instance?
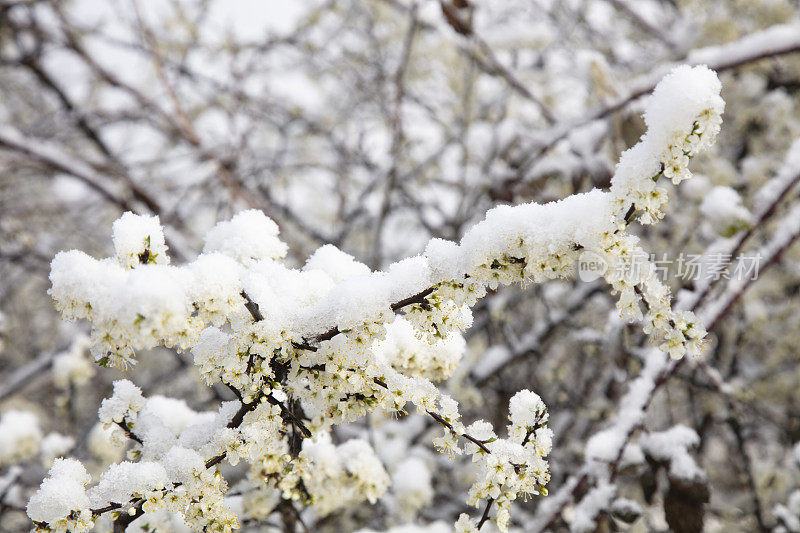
(773, 42)
(777, 40)
(611, 448)
(307, 349)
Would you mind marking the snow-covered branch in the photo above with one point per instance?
(306, 350)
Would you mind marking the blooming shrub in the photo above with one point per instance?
(307, 349)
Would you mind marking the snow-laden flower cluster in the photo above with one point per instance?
(683, 119)
(21, 439)
(411, 486)
(310, 348)
(54, 445)
(510, 467)
(102, 445)
(126, 403)
(338, 476)
(139, 240)
(20, 436)
(72, 367)
(61, 503)
(723, 209)
(435, 360)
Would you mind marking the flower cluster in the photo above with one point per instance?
(404, 350)
(638, 285)
(136, 301)
(61, 503)
(21, 439)
(73, 368)
(508, 467)
(139, 240)
(20, 436)
(675, 135)
(683, 147)
(338, 476)
(123, 406)
(198, 494)
(411, 486)
(307, 349)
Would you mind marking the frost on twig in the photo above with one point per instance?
(311, 348)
